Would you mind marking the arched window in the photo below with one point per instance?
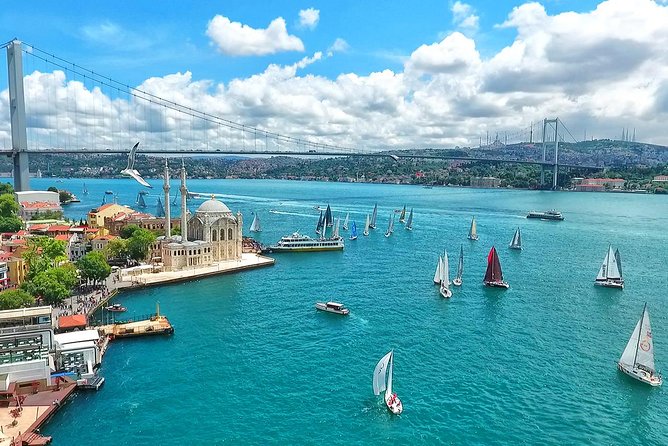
(229, 234)
(214, 235)
(222, 235)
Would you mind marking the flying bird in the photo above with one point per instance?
(130, 171)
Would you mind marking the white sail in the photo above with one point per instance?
(255, 226)
(445, 273)
(335, 233)
(388, 390)
(374, 215)
(409, 223)
(473, 232)
(366, 225)
(345, 222)
(379, 383)
(517, 240)
(609, 268)
(438, 273)
(640, 348)
(618, 259)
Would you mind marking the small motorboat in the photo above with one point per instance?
(116, 308)
(332, 307)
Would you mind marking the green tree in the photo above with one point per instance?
(93, 267)
(128, 230)
(46, 287)
(47, 215)
(8, 206)
(12, 299)
(116, 249)
(10, 224)
(64, 196)
(176, 230)
(43, 253)
(65, 274)
(139, 243)
(6, 188)
(53, 189)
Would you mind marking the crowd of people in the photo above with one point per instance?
(83, 303)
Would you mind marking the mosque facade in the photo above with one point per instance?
(213, 234)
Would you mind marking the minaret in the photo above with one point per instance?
(168, 214)
(184, 209)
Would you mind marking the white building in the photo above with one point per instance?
(78, 352)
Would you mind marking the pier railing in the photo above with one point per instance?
(109, 318)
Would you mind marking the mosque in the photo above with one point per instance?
(213, 234)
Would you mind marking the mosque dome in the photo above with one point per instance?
(213, 206)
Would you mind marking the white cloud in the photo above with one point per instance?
(339, 46)
(237, 39)
(464, 17)
(603, 69)
(309, 18)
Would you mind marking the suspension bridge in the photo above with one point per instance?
(71, 109)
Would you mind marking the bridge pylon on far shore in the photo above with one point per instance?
(546, 122)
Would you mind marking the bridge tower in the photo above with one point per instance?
(17, 113)
(554, 121)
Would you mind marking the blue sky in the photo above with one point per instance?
(134, 40)
(362, 74)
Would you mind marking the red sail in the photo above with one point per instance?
(493, 273)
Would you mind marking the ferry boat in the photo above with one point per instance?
(332, 307)
(547, 215)
(116, 308)
(300, 243)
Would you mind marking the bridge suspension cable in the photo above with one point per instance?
(153, 99)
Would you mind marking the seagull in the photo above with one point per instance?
(130, 170)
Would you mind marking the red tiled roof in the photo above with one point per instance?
(103, 207)
(39, 205)
(59, 228)
(105, 237)
(39, 227)
(63, 237)
(76, 320)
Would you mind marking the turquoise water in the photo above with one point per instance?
(252, 362)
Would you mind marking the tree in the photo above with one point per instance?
(10, 224)
(176, 230)
(64, 196)
(138, 244)
(53, 189)
(65, 274)
(12, 299)
(128, 230)
(47, 287)
(6, 188)
(47, 215)
(8, 206)
(116, 249)
(42, 253)
(93, 267)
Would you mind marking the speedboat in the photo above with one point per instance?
(457, 282)
(332, 307)
(116, 308)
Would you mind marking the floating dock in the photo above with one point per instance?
(154, 325)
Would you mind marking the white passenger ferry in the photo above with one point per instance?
(298, 242)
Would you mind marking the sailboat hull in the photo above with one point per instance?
(473, 237)
(446, 293)
(640, 375)
(497, 284)
(610, 283)
(457, 282)
(394, 405)
(519, 248)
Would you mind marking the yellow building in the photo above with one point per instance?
(96, 216)
(16, 270)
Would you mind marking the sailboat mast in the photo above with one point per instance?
(635, 358)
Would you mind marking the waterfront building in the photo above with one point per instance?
(32, 203)
(485, 182)
(599, 184)
(78, 352)
(96, 216)
(660, 179)
(211, 235)
(146, 221)
(26, 340)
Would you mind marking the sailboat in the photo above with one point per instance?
(85, 189)
(409, 223)
(494, 275)
(516, 243)
(353, 232)
(473, 232)
(372, 225)
(610, 273)
(329, 220)
(402, 217)
(255, 226)
(445, 278)
(319, 226)
(174, 202)
(438, 275)
(160, 209)
(366, 225)
(460, 268)
(382, 381)
(345, 222)
(335, 232)
(637, 360)
(140, 201)
(390, 226)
